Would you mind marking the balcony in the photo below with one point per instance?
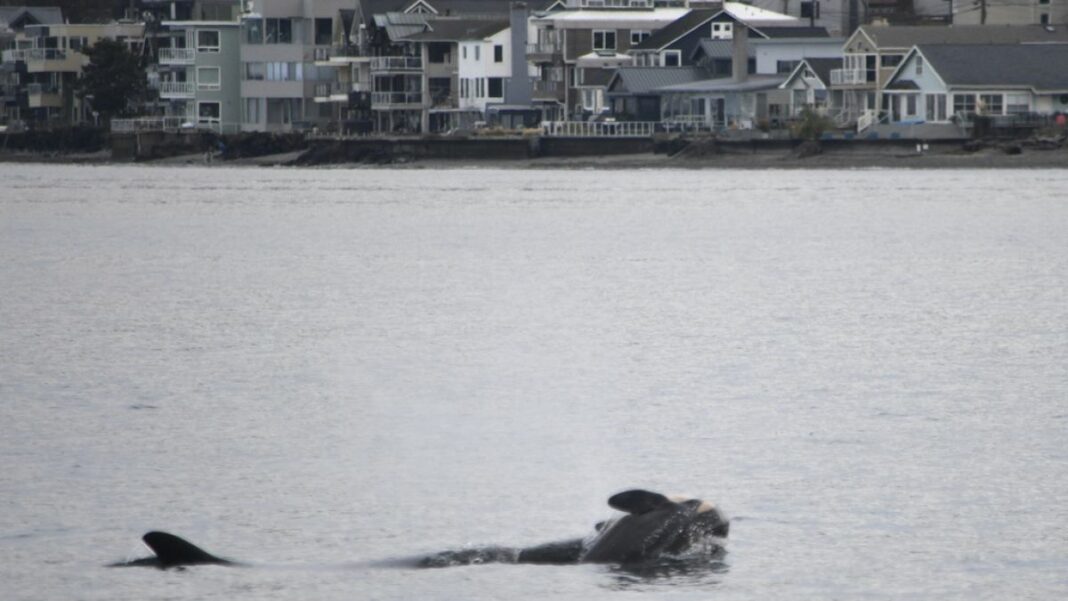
(177, 89)
(177, 56)
(849, 77)
(331, 92)
(544, 52)
(547, 90)
(396, 100)
(49, 60)
(384, 64)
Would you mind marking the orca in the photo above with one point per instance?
(173, 552)
(655, 527)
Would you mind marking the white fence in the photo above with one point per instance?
(610, 129)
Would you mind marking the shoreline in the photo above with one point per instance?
(888, 158)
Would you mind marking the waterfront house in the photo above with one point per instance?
(14, 102)
(873, 53)
(633, 91)
(809, 85)
(942, 84)
(565, 40)
(48, 59)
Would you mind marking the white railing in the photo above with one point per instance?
(396, 63)
(611, 3)
(361, 86)
(35, 54)
(866, 120)
(587, 129)
(132, 126)
(381, 99)
(177, 89)
(848, 77)
(177, 56)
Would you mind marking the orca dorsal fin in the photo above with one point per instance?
(637, 501)
(176, 551)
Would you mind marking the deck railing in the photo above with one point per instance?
(848, 77)
(596, 129)
(177, 56)
(396, 63)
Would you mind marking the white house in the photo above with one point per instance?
(484, 68)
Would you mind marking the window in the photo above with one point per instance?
(964, 103)
(324, 32)
(465, 52)
(478, 52)
(604, 39)
(991, 104)
(936, 107)
(891, 60)
(637, 36)
(1043, 19)
(208, 111)
(919, 65)
(279, 31)
(910, 105)
(810, 10)
(495, 87)
(1017, 104)
(253, 31)
(672, 58)
(481, 87)
(207, 41)
(252, 110)
(722, 31)
(285, 71)
(498, 53)
(208, 78)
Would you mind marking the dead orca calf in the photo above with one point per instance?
(655, 527)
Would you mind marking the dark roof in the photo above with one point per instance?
(1000, 65)
(677, 28)
(906, 36)
(642, 80)
(822, 67)
(778, 31)
(719, 48)
(465, 7)
(453, 30)
(753, 83)
(20, 16)
(596, 77)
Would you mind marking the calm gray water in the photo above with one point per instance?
(319, 371)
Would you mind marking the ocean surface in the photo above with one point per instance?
(323, 372)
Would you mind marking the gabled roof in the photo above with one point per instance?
(820, 67)
(969, 65)
(903, 37)
(20, 16)
(642, 80)
(678, 28)
(464, 8)
(450, 29)
(757, 19)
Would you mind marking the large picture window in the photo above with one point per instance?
(279, 31)
(936, 107)
(991, 104)
(964, 103)
(208, 78)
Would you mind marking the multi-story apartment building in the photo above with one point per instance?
(199, 74)
(48, 59)
(281, 41)
(1010, 12)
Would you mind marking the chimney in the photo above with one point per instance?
(518, 89)
(739, 52)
